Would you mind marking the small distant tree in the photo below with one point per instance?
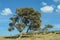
(23, 17)
(48, 26)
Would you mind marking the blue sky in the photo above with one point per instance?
(50, 11)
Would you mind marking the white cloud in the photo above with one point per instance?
(6, 11)
(56, 0)
(58, 9)
(58, 6)
(44, 3)
(47, 9)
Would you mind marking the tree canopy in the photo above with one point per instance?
(47, 26)
(23, 17)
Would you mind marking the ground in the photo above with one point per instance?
(50, 36)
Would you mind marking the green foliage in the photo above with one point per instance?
(11, 24)
(48, 26)
(14, 19)
(25, 16)
(10, 29)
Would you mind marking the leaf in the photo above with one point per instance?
(10, 29)
(11, 24)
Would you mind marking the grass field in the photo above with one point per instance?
(50, 36)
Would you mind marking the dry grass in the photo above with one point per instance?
(50, 36)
